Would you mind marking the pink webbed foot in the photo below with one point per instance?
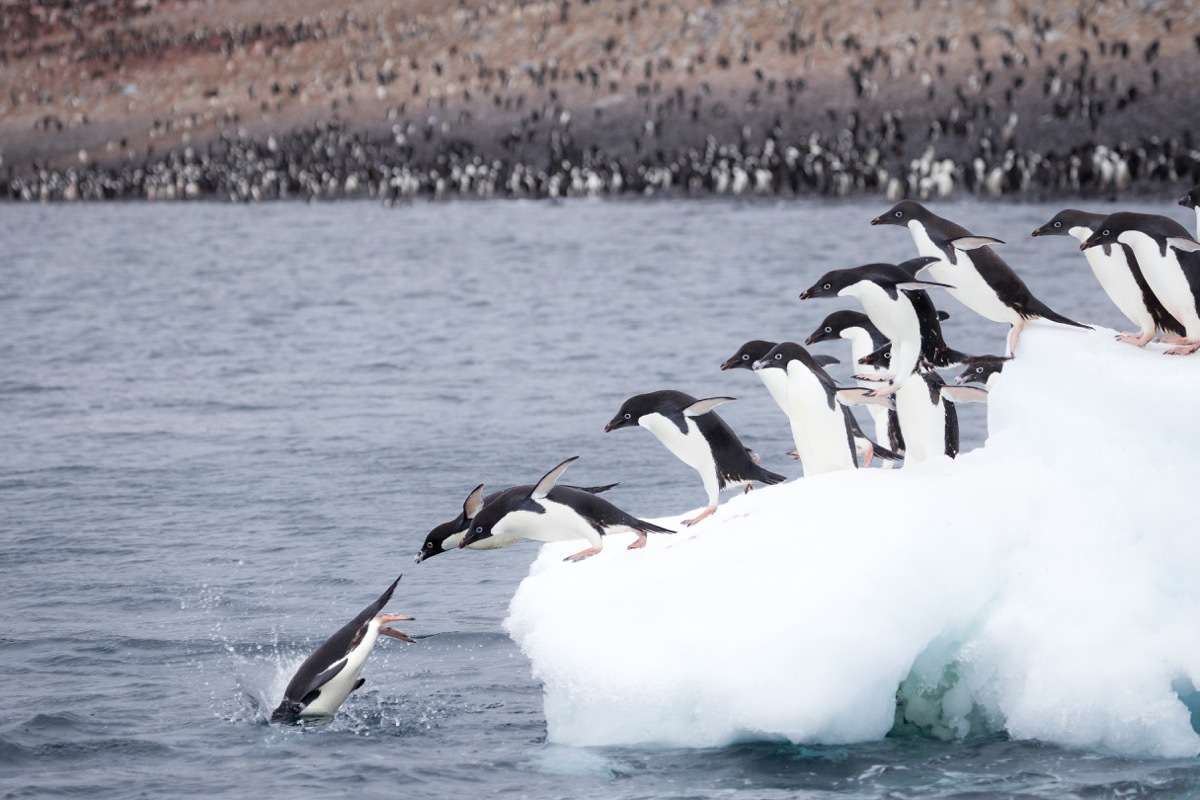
(708, 512)
(639, 542)
(1184, 350)
(582, 554)
(392, 632)
(1136, 339)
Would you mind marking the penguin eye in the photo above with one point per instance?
(628, 416)
(899, 214)
(1058, 224)
(479, 529)
(828, 286)
(1104, 234)
(745, 356)
(828, 329)
(779, 356)
(888, 356)
(428, 545)
(979, 370)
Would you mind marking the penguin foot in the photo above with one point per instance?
(639, 542)
(747, 487)
(582, 554)
(392, 632)
(1184, 350)
(1136, 339)
(884, 392)
(708, 512)
(879, 377)
(794, 454)
(1174, 340)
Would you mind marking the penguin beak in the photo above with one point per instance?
(880, 220)
(612, 426)
(807, 293)
(1039, 232)
(392, 632)
(811, 340)
(724, 366)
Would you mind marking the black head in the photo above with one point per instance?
(781, 354)
(1191, 199)
(902, 213)
(747, 354)
(498, 505)
(1069, 218)
(437, 537)
(831, 283)
(880, 359)
(833, 325)
(980, 369)
(664, 401)
(1156, 226)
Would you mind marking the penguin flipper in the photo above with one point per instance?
(473, 503)
(1183, 243)
(598, 489)
(974, 242)
(543, 487)
(965, 394)
(358, 684)
(323, 678)
(825, 360)
(915, 285)
(704, 406)
(857, 395)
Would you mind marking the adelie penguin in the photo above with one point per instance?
(691, 430)
(776, 384)
(1120, 276)
(1192, 200)
(448, 535)
(881, 290)
(982, 281)
(549, 513)
(1170, 261)
(331, 673)
(982, 369)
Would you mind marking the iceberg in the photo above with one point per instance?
(1046, 584)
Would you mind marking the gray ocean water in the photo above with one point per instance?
(225, 429)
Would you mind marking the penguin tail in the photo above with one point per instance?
(766, 476)
(1040, 310)
(599, 489)
(887, 455)
(650, 527)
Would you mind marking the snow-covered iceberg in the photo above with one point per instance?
(1046, 584)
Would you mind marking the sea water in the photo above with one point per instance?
(225, 429)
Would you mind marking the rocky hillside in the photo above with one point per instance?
(265, 98)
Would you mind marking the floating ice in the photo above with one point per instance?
(1047, 584)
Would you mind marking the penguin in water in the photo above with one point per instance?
(825, 439)
(331, 673)
(982, 369)
(445, 537)
(981, 280)
(549, 513)
(1170, 262)
(1120, 276)
(879, 287)
(1192, 200)
(776, 384)
(691, 430)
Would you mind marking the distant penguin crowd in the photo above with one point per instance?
(1147, 264)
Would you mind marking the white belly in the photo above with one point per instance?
(922, 423)
(820, 431)
(335, 692)
(1165, 277)
(897, 320)
(861, 345)
(970, 288)
(558, 523)
(690, 448)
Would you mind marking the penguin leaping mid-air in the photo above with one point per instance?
(1120, 276)
(548, 513)
(331, 673)
(447, 536)
(691, 430)
(1170, 262)
(981, 279)
(879, 287)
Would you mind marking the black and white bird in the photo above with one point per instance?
(981, 280)
(881, 290)
(1192, 200)
(982, 369)
(690, 429)
(549, 513)
(448, 535)
(331, 673)
(1170, 261)
(1120, 276)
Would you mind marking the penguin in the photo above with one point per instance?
(691, 430)
(331, 673)
(824, 427)
(878, 287)
(865, 339)
(981, 280)
(982, 369)
(549, 513)
(1163, 249)
(1120, 276)
(1192, 200)
(445, 537)
(776, 384)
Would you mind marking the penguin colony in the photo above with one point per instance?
(1148, 264)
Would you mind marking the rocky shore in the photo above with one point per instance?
(181, 99)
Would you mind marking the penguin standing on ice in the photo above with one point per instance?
(981, 280)
(691, 430)
(549, 513)
(447, 536)
(1170, 262)
(827, 443)
(331, 673)
(879, 287)
(1120, 276)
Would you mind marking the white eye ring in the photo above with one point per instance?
(1104, 234)
(828, 329)
(745, 356)
(628, 416)
(1058, 224)
(479, 529)
(828, 286)
(899, 214)
(887, 356)
(779, 356)
(979, 370)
